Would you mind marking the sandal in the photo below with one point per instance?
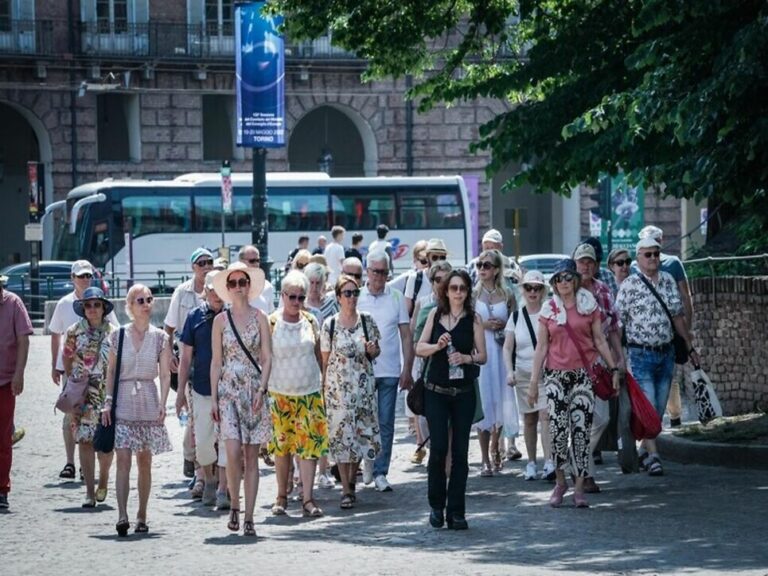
(497, 463)
(486, 472)
(347, 502)
(197, 489)
(234, 520)
(248, 529)
(122, 527)
(278, 508)
(101, 494)
(313, 511)
(141, 527)
(68, 472)
(513, 453)
(267, 457)
(89, 503)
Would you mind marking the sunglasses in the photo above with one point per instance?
(142, 300)
(654, 254)
(204, 263)
(239, 283)
(253, 260)
(438, 280)
(484, 265)
(91, 305)
(625, 262)
(350, 293)
(295, 297)
(533, 287)
(457, 288)
(355, 276)
(87, 275)
(423, 261)
(378, 271)
(567, 277)
(437, 257)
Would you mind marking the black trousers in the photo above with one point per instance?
(448, 416)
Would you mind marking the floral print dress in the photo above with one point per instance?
(237, 387)
(350, 394)
(88, 348)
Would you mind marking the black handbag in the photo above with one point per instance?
(678, 342)
(415, 398)
(104, 437)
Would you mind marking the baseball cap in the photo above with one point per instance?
(493, 235)
(80, 267)
(198, 253)
(533, 277)
(584, 251)
(647, 242)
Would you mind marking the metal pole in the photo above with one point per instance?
(259, 224)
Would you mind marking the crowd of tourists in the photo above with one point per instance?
(311, 387)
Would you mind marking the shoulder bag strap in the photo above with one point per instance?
(240, 341)
(572, 336)
(530, 326)
(332, 329)
(658, 297)
(120, 340)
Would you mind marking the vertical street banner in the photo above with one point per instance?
(260, 78)
(226, 189)
(627, 216)
(472, 182)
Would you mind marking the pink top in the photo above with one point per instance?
(14, 322)
(138, 399)
(562, 353)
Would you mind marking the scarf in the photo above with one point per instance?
(585, 305)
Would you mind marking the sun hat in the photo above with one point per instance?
(80, 267)
(493, 235)
(651, 232)
(220, 263)
(208, 284)
(533, 277)
(436, 245)
(92, 293)
(584, 251)
(647, 242)
(255, 274)
(566, 265)
(198, 253)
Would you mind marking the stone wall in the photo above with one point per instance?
(731, 316)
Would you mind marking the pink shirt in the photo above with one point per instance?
(562, 353)
(14, 322)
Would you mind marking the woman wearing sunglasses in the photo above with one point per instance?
(140, 411)
(349, 343)
(569, 321)
(453, 338)
(86, 349)
(240, 374)
(494, 303)
(297, 409)
(519, 348)
(619, 264)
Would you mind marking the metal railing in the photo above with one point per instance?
(27, 37)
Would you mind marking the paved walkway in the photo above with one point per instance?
(694, 520)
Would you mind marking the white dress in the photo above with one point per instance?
(499, 400)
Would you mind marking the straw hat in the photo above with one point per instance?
(255, 274)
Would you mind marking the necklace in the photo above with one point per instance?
(454, 319)
(489, 292)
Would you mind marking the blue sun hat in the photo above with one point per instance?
(92, 293)
(566, 265)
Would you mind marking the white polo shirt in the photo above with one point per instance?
(389, 312)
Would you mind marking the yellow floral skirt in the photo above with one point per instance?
(299, 425)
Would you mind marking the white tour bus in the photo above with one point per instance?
(160, 223)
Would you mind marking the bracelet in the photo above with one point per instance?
(614, 370)
(262, 390)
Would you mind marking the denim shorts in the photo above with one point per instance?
(653, 372)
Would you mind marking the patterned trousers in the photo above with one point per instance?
(571, 404)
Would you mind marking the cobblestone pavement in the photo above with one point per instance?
(694, 520)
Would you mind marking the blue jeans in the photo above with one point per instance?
(653, 372)
(387, 393)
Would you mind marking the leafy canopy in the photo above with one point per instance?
(673, 92)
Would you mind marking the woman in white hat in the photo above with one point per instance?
(240, 368)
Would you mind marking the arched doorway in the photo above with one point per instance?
(18, 145)
(330, 131)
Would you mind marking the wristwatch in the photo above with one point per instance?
(614, 370)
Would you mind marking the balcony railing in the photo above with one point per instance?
(26, 37)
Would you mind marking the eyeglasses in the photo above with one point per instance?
(533, 287)
(654, 254)
(87, 275)
(239, 283)
(567, 277)
(141, 300)
(378, 271)
(625, 262)
(438, 280)
(90, 305)
(423, 261)
(294, 297)
(437, 257)
(355, 276)
(484, 265)
(457, 288)
(204, 263)
(253, 260)
(350, 293)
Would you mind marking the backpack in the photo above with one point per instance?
(531, 331)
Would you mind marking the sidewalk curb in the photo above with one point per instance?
(712, 454)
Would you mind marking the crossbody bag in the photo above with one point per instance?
(242, 344)
(678, 342)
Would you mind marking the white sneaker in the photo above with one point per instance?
(530, 471)
(367, 471)
(549, 470)
(382, 485)
(325, 481)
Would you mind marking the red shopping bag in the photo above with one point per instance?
(644, 422)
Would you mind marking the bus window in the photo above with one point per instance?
(433, 209)
(291, 210)
(158, 214)
(366, 209)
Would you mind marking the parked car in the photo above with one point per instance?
(55, 279)
(544, 263)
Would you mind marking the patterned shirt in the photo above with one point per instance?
(641, 313)
(609, 316)
(607, 277)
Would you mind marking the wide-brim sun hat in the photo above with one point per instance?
(533, 277)
(255, 274)
(566, 265)
(92, 293)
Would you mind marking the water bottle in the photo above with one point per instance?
(455, 371)
(183, 418)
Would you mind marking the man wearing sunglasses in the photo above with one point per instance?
(251, 257)
(64, 316)
(650, 334)
(387, 307)
(186, 297)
